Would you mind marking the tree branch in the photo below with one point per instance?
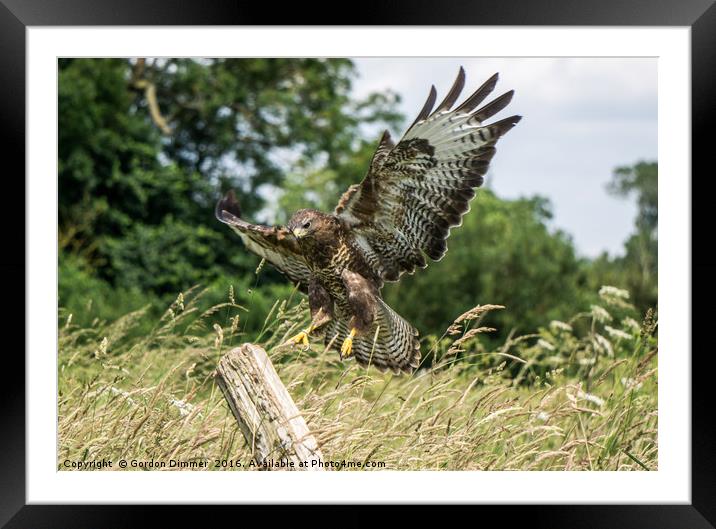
(140, 83)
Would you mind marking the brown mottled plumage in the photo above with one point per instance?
(401, 213)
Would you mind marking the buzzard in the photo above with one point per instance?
(399, 216)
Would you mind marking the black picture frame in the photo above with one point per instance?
(699, 15)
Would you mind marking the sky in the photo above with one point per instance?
(582, 117)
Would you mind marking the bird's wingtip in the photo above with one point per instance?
(228, 204)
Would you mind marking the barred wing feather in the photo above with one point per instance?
(416, 191)
(273, 243)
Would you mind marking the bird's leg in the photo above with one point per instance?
(362, 296)
(320, 318)
(347, 347)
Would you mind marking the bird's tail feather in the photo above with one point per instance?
(391, 343)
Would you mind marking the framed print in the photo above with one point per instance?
(254, 251)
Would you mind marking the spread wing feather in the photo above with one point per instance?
(416, 191)
(273, 243)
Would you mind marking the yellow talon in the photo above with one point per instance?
(347, 347)
(300, 338)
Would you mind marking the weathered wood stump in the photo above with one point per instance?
(267, 416)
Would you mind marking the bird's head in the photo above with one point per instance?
(307, 224)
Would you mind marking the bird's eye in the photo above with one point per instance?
(306, 225)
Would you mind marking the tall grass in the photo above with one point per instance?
(576, 395)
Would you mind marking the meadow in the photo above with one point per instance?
(579, 394)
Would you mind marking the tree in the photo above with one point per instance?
(147, 146)
(641, 180)
(637, 269)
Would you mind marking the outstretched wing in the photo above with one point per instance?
(274, 243)
(415, 191)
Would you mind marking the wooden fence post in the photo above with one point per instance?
(266, 414)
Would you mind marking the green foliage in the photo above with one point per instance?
(578, 347)
(637, 269)
(322, 188)
(640, 180)
(136, 207)
(177, 253)
(238, 121)
(91, 299)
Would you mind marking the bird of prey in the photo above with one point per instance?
(399, 216)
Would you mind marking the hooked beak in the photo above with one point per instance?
(298, 232)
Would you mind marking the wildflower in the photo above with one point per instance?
(600, 314)
(609, 293)
(544, 344)
(554, 360)
(630, 383)
(557, 325)
(616, 333)
(543, 416)
(603, 345)
(125, 394)
(185, 408)
(632, 324)
(591, 398)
